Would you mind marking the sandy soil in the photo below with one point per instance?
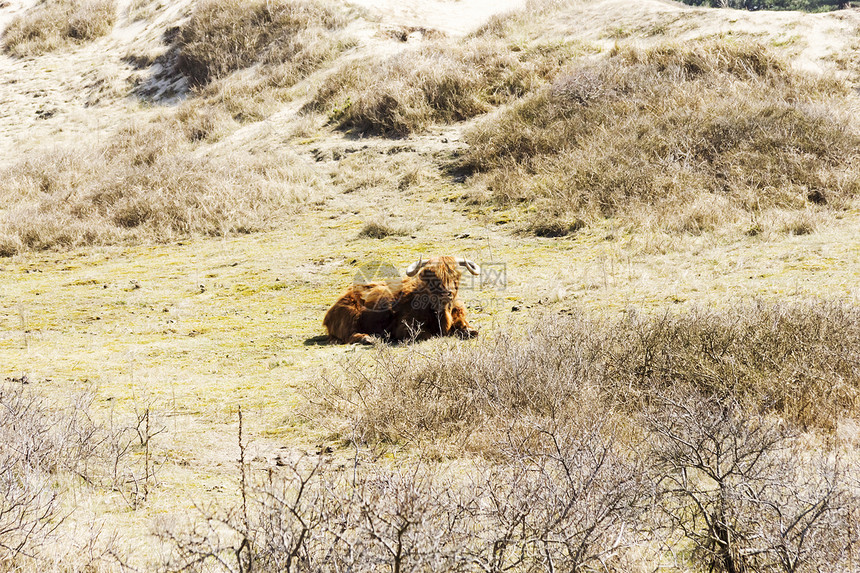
(453, 17)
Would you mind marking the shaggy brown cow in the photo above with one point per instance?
(422, 305)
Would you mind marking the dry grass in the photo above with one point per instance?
(203, 122)
(146, 184)
(224, 36)
(141, 10)
(441, 82)
(381, 230)
(56, 23)
(241, 58)
(695, 136)
(704, 407)
(669, 441)
(798, 361)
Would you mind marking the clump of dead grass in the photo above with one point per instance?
(145, 184)
(241, 58)
(381, 230)
(203, 122)
(141, 10)
(56, 23)
(702, 406)
(440, 82)
(696, 135)
(224, 36)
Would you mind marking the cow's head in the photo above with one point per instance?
(441, 275)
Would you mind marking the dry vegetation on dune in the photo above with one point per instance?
(155, 181)
(283, 42)
(55, 23)
(687, 440)
(693, 135)
(227, 35)
(799, 362)
(443, 82)
(684, 442)
(145, 184)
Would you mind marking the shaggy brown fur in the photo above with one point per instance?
(417, 307)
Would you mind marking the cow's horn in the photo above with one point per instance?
(470, 266)
(415, 267)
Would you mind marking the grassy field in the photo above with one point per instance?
(667, 377)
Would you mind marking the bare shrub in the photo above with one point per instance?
(227, 35)
(144, 185)
(29, 505)
(56, 23)
(739, 488)
(714, 123)
(442, 82)
(315, 518)
(560, 499)
(406, 520)
(563, 498)
(42, 445)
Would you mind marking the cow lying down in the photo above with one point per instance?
(422, 305)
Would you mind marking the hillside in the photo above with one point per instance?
(670, 191)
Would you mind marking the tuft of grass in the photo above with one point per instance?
(58, 23)
(224, 36)
(541, 227)
(696, 134)
(145, 184)
(141, 10)
(380, 230)
(203, 122)
(441, 82)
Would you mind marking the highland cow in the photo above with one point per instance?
(422, 305)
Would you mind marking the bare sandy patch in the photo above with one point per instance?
(454, 17)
